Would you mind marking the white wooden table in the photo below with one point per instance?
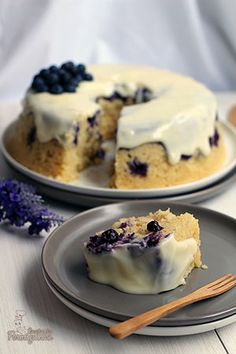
(22, 287)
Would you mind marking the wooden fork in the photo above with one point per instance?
(215, 288)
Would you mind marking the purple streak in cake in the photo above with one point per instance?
(128, 238)
(116, 96)
(31, 136)
(93, 120)
(186, 157)
(100, 154)
(154, 238)
(123, 225)
(137, 167)
(213, 141)
(142, 95)
(105, 242)
(76, 131)
(110, 240)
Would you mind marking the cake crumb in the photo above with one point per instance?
(204, 266)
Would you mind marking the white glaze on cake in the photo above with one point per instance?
(181, 115)
(55, 114)
(182, 122)
(152, 270)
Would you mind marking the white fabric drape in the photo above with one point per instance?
(193, 37)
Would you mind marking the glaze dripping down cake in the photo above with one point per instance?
(164, 125)
(145, 255)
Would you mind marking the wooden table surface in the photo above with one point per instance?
(24, 289)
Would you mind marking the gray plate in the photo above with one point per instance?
(148, 330)
(64, 265)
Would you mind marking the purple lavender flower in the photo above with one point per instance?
(19, 204)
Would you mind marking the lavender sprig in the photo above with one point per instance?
(19, 204)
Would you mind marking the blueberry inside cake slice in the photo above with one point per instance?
(145, 255)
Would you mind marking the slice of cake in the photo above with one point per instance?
(145, 255)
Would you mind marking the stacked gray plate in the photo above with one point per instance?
(65, 271)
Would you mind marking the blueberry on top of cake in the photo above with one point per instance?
(145, 255)
(59, 79)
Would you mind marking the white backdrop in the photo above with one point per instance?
(195, 37)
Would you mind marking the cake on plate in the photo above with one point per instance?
(147, 254)
(164, 125)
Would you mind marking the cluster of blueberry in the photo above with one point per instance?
(57, 80)
(103, 243)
